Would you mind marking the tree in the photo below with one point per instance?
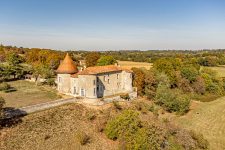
(13, 59)
(190, 73)
(91, 59)
(169, 67)
(172, 100)
(150, 84)
(124, 125)
(106, 60)
(139, 80)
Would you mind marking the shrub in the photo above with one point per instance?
(125, 96)
(199, 85)
(4, 86)
(117, 105)
(124, 125)
(82, 137)
(172, 100)
(201, 142)
(91, 116)
(184, 85)
(190, 73)
(151, 137)
(50, 82)
(141, 106)
(184, 138)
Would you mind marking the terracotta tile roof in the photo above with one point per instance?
(100, 69)
(67, 66)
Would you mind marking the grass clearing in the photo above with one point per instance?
(207, 118)
(220, 70)
(130, 64)
(27, 93)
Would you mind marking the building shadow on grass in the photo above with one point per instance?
(12, 117)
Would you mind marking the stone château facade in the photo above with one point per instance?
(93, 82)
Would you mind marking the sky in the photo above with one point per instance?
(113, 24)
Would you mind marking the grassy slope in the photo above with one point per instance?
(209, 119)
(55, 129)
(27, 94)
(130, 64)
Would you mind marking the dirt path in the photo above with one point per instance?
(209, 119)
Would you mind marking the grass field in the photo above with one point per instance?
(130, 64)
(27, 93)
(220, 70)
(208, 118)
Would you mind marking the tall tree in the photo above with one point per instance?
(106, 60)
(139, 80)
(91, 59)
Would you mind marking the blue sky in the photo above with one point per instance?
(113, 24)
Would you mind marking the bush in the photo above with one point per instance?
(199, 85)
(4, 86)
(125, 96)
(151, 137)
(124, 125)
(190, 73)
(201, 142)
(50, 82)
(117, 105)
(91, 116)
(172, 100)
(82, 137)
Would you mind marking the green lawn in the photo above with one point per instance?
(208, 118)
(27, 93)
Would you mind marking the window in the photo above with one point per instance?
(82, 92)
(59, 79)
(117, 76)
(108, 75)
(97, 88)
(108, 81)
(131, 75)
(97, 79)
(94, 91)
(74, 90)
(94, 82)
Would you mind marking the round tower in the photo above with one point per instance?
(64, 71)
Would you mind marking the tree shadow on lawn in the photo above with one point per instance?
(12, 116)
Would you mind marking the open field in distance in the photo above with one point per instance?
(130, 64)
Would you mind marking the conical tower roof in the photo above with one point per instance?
(67, 66)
